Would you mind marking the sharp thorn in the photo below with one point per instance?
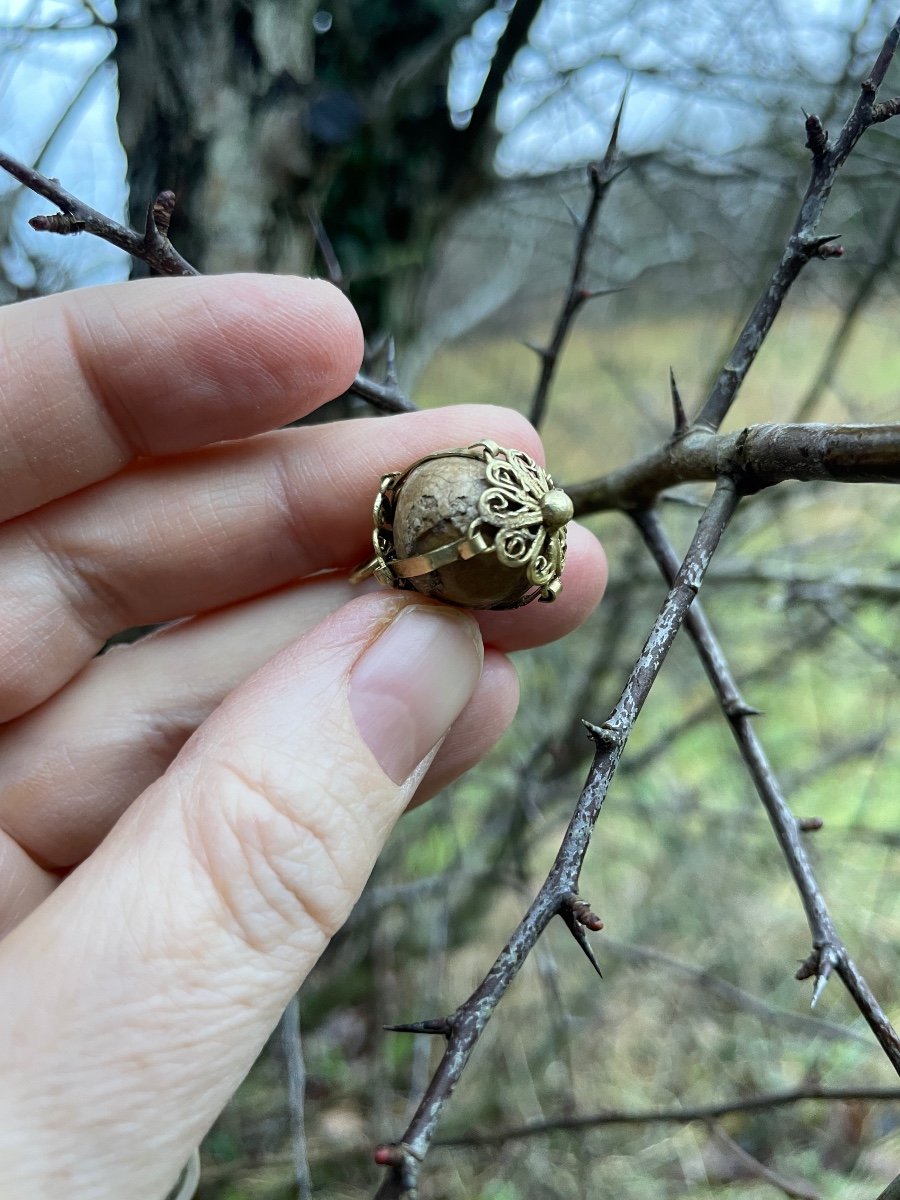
(439, 1025)
(612, 147)
(740, 708)
(821, 983)
(577, 221)
(594, 293)
(540, 351)
(604, 735)
(681, 421)
(578, 933)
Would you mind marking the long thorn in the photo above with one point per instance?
(437, 1025)
(578, 933)
(681, 421)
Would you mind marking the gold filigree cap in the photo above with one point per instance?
(481, 525)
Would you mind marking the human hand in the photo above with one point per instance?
(167, 890)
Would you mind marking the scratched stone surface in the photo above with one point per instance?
(436, 505)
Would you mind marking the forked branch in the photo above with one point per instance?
(601, 176)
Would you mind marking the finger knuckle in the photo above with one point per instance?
(274, 853)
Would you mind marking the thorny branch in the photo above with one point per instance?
(559, 893)
(152, 246)
(739, 463)
(600, 178)
(803, 244)
(757, 456)
(829, 953)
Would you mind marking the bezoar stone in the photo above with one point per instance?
(479, 526)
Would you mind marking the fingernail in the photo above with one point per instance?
(412, 683)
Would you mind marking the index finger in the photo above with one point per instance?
(91, 379)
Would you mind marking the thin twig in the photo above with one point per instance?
(600, 177)
(803, 244)
(77, 217)
(154, 248)
(829, 952)
(796, 1189)
(463, 1028)
(675, 1116)
(295, 1073)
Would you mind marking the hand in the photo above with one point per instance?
(185, 822)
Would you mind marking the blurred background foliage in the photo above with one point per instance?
(439, 144)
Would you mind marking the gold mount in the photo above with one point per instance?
(521, 518)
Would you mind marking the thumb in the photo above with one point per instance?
(140, 992)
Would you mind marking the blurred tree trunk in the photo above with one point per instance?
(212, 106)
(252, 117)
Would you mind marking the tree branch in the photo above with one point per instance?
(464, 1027)
(675, 1116)
(755, 457)
(803, 243)
(154, 248)
(796, 1189)
(829, 952)
(77, 217)
(600, 177)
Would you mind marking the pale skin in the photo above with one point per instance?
(185, 823)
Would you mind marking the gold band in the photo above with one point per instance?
(421, 564)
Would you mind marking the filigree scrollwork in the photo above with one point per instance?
(528, 513)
